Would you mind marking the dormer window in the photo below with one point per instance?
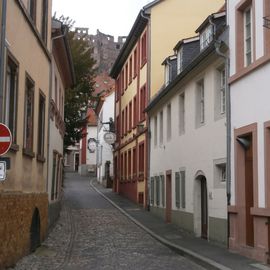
(170, 69)
(167, 74)
(180, 61)
(206, 37)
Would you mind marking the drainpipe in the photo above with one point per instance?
(148, 134)
(2, 58)
(228, 130)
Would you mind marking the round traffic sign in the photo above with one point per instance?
(5, 139)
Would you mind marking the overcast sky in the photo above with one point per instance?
(114, 17)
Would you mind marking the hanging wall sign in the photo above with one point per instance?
(109, 137)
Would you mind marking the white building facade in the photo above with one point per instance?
(188, 139)
(250, 128)
(105, 150)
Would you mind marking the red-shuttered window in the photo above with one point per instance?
(143, 49)
(126, 76)
(122, 80)
(117, 88)
(130, 70)
(123, 123)
(134, 162)
(135, 63)
(126, 119)
(135, 111)
(130, 116)
(141, 160)
(122, 167)
(142, 102)
(115, 168)
(118, 131)
(129, 164)
(126, 166)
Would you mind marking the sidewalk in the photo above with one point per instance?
(209, 255)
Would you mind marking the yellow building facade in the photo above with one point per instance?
(139, 75)
(23, 195)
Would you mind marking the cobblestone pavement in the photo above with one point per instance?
(92, 234)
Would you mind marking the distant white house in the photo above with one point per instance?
(105, 111)
(88, 146)
(188, 137)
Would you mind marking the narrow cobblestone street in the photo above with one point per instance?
(92, 234)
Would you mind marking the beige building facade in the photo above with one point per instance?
(23, 195)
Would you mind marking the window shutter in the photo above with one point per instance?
(177, 189)
(183, 189)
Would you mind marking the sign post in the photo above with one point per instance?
(5, 139)
(3, 170)
(5, 143)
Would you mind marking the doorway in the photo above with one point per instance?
(204, 209)
(77, 161)
(35, 231)
(247, 152)
(200, 206)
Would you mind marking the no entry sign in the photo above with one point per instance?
(5, 139)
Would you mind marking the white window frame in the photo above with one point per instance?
(206, 37)
(248, 37)
(161, 127)
(180, 60)
(167, 74)
(222, 74)
(201, 98)
(169, 122)
(155, 131)
(182, 113)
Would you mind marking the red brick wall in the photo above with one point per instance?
(16, 210)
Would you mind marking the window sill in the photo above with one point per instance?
(41, 159)
(15, 147)
(28, 153)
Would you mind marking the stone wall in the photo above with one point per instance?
(16, 211)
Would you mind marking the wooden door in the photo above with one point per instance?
(204, 209)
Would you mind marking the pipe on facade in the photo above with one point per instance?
(228, 130)
(2, 58)
(148, 133)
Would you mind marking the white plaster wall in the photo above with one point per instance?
(91, 157)
(259, 28)
(107, 154)
(197, 148)
(250, 104)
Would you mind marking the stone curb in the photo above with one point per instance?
(199, 259)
